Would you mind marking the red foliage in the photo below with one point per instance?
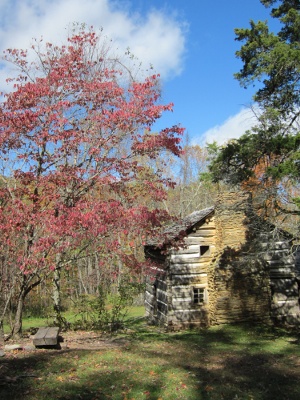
(75, 137)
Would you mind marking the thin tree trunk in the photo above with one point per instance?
(56, 296)
(1, 339)
(4, 301)
(98, 275)
(17, 327)
(81, 281)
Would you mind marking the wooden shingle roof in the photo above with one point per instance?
(177, 229)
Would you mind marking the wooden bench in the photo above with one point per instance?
(46, 336)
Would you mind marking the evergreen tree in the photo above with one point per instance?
(271, 62)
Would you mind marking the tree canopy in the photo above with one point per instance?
(75, 137)
(271, 62)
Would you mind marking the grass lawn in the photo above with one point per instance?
(224, 362)
(36, 322)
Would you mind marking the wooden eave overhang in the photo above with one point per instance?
(179, 229)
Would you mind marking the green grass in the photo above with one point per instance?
(238, 362)
(134, 312)
(28, 323)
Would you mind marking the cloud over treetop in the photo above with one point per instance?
(157, 38)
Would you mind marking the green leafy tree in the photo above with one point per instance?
(271, 63)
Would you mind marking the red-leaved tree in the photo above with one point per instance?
(75, 131)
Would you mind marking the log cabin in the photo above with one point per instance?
(230, 267)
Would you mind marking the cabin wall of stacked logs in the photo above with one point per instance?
(247, 273)
(169, 300)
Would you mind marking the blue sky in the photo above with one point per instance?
(190, 42)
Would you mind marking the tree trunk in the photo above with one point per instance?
(25, 288)
(1, 339)
(59, 320)
(81, 281)
(17, 328)
(2, 315)
(56, 296)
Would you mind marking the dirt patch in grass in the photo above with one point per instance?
(82, 340)
(75, 340)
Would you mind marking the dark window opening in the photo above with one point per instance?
(198, 295)
(204, 250)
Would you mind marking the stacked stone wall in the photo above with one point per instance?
(238, 281)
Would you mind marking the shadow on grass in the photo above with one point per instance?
(246, 377)
(230, 362)
(60, 376)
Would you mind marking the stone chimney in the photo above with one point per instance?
(231, 214)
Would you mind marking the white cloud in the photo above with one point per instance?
(234, 127)
(156, 38)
